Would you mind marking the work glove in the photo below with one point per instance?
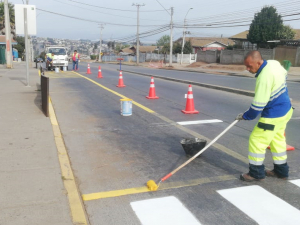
(239, 117)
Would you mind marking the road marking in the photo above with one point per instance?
(163, 186)
(262, 206)
(162, 211)
(199, 122)
(76, 205)
(296, 182)
(116, 93)
(195, 134)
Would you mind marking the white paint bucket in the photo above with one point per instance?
(65, 68)
(126, 107)
(56, 70)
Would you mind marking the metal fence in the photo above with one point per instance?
(144, 57)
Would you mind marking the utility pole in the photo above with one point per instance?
(171, 37)
(26, 45)
(29, 42)
(100, 51)
(137, 33)
(7, 36)
(183, 36)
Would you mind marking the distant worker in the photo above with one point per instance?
(75, 59)
(49, 60)
(272, 101)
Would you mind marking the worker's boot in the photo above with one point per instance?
(248, 178)
(271, 173)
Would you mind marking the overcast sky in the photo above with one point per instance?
(203, 12)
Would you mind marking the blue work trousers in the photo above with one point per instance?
(75, 65)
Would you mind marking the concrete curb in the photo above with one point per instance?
(211, 86)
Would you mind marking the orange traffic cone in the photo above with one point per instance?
(190, 108)
(152, 94)
(121, 84)
(99, 72)
(288, 147)
(88, 70)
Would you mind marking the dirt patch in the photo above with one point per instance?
(197, 64)
(225, 67)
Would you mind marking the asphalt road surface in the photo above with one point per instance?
(113, 156)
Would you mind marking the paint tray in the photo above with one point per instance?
(192, 146)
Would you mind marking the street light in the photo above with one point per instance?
(184, 22)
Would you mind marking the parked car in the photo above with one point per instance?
(38, 60)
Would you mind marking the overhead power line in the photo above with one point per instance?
(125, 10)
(91, 10)
(94, 21)
(281, 8)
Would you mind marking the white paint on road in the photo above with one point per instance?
(262, 206)
(163, 211)
(199, 122)
(296, 182)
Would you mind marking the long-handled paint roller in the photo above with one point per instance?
(152, 186)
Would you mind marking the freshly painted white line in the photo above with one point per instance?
(262, 206)
(296, 182)
(163, 211)
(199, 122)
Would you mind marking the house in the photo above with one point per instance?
(132, 50)
(241, 41)
(3, 47)
(3, 41)
(207, 43)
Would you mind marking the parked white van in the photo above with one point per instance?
(60, 56)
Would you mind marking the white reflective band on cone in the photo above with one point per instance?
(190, 96)
(121, 77)
(190, 89)
(152, 85)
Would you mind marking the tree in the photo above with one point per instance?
(21, 44)
(11, 17)
(287, 33)
(187, 49)
(119, 47)
(267, 25)
(164, 40)
(177, 48)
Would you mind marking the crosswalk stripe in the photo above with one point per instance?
(199, 122)
(296, 182)
(163, 211)
(262, 206)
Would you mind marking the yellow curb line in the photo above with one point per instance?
(76, 205)
(163, 186)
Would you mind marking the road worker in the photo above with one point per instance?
(75, 58)
(272, 101)
(49, 60)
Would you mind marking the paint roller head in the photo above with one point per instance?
(152, 186)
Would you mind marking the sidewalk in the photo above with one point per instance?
(214, 68)
(31, 190)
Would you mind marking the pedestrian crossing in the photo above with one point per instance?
(262, 206)
(166, 210)
(296, 182)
